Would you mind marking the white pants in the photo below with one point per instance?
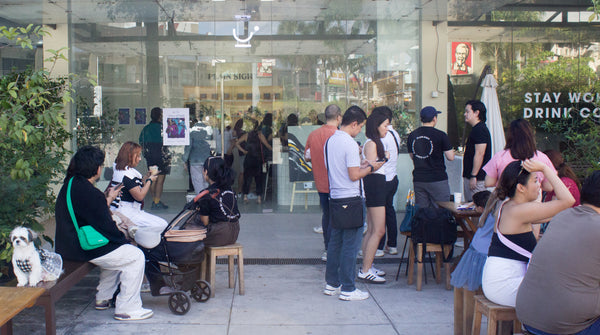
(198, 177)
(501, 279)
(149, 226)
(124, 265)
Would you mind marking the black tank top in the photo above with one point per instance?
(526, 241)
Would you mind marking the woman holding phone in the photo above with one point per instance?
(135, 188)
(373, 150)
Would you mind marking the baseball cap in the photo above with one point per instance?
(429, 112)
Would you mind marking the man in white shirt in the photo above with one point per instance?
(345, 170)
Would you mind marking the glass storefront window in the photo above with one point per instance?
(286, 59)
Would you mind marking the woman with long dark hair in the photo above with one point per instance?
(513, 239)
(373, 150)
(566, 174)
(254, 160)
(218, 204)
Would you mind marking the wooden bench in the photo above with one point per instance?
(53, 291)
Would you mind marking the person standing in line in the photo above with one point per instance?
(427, 147)
(478, 149)
(344, 173)
(155, 153)
(391, 144)
(254, 160)
(314, 153)
(374, 184)
(121, 264)
(196, 153)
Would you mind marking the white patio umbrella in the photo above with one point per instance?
(489, 97)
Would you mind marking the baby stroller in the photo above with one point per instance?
(175, 261)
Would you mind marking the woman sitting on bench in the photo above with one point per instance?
(119, 262)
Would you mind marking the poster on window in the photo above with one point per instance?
(176, 126)
(462, 58)
(123, 115)
(140, 116)
(265, 68)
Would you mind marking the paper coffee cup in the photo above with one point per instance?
(154, 168)
(457, 198)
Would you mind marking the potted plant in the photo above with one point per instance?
(32, 151)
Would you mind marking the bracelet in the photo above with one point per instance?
(150, 180)
(372, 168)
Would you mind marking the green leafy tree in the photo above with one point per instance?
(33, 132)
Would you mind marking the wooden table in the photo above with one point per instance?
(13, 300)
(466, 219)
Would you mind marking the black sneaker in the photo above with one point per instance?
(102, 304)
(159, 205)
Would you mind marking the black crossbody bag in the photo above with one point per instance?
(345, 213)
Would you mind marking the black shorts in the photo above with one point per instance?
(375, 190)
(158, 155)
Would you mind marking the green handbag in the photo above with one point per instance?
(89, 238)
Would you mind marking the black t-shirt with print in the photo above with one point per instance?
(427, 146)
(219, 205)
(479, 134)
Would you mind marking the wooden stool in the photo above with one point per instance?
(437, 248)
(494, 313)
(212, 253)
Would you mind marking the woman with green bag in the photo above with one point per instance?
(120, 263)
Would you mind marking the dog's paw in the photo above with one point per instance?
(20, 284)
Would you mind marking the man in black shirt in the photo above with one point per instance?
(427, 147)
(478, 150)
(120, 262)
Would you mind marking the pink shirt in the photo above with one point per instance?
(316, 143)
(501, 159)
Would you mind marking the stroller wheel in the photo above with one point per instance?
(201, 291)
(179, 303)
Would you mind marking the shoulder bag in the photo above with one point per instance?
(89, 237)
(345, 213)
(411, 210)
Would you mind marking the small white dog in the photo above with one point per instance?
(26, 259)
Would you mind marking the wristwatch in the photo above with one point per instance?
(150, 180)
(372, 168)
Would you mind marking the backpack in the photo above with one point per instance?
(434, 225)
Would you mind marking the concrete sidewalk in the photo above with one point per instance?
(279, 299)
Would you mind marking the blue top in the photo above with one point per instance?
(483, 236)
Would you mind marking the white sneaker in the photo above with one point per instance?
(330, 290)
(360, 254)
(393, 251)
(378, 272)
(370, 277)
(324, 256)
(379, 253)
(354, 295)
(318, 230)
(142, 314)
